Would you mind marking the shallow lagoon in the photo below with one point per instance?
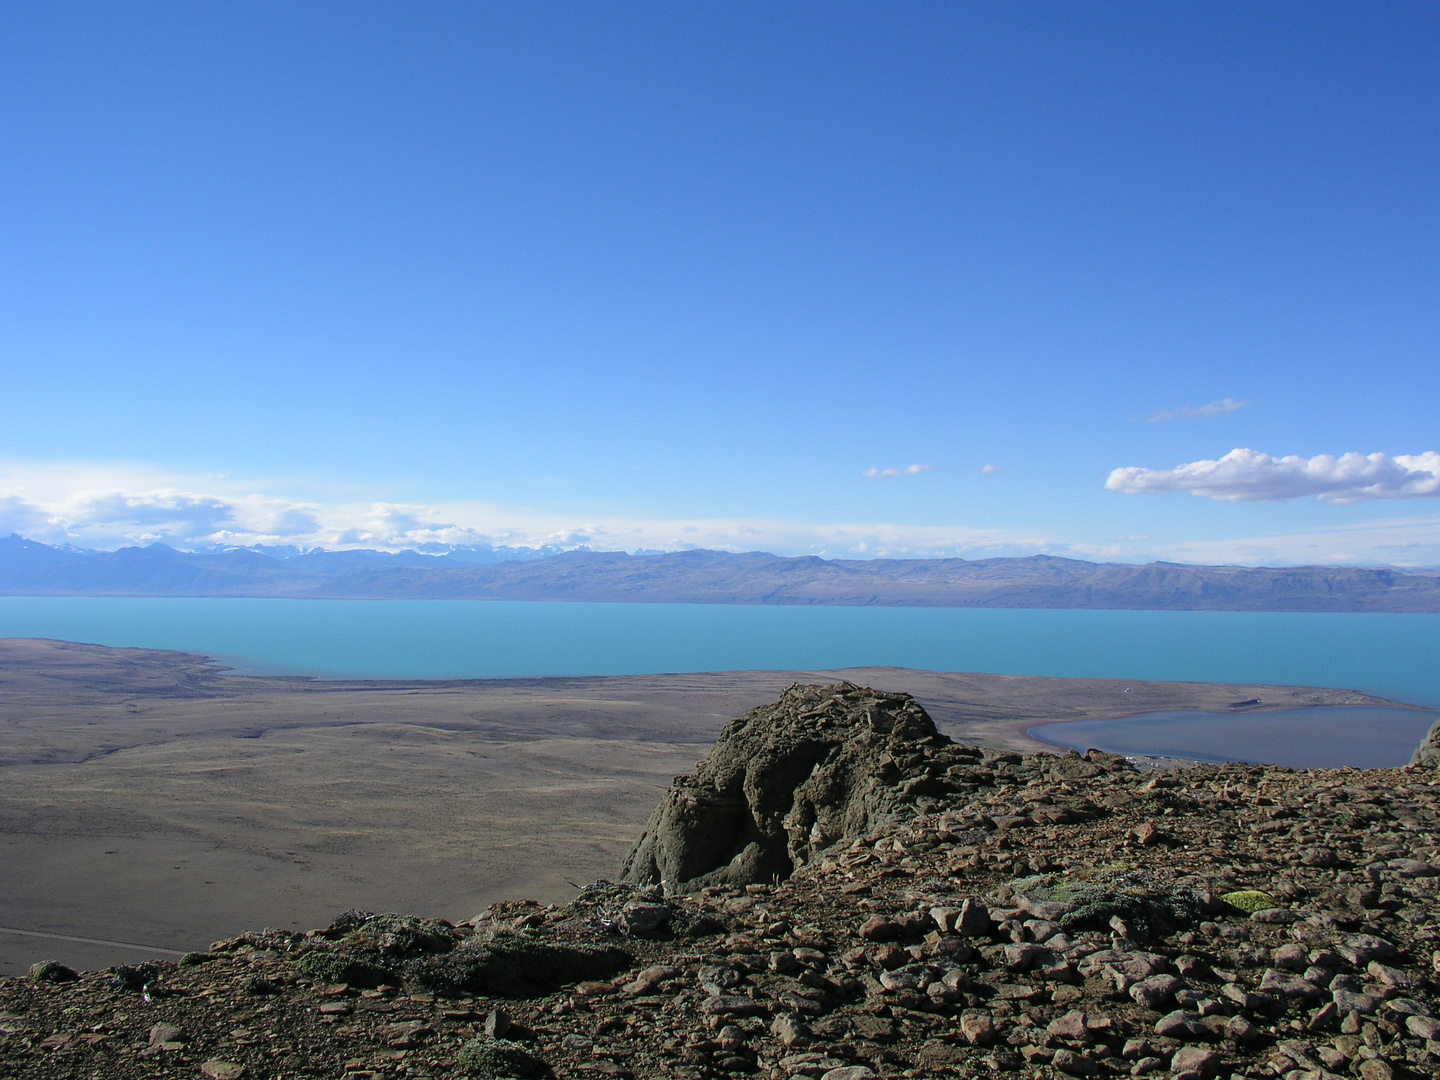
(1314, 738)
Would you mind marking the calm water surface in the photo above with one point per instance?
(1390, 655)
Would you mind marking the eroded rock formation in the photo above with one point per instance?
(785, 780)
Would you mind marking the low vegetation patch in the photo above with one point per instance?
(513, 965)
(53, 971)
(391, 949)
(1150, 906)
(498, 1059)
(329, 967)
(607, 906)
(398, 935)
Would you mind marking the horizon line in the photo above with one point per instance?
(554, 551)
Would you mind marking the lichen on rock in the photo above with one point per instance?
(1249, 901)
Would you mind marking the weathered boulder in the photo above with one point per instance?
(784, 781)
(1428, 752)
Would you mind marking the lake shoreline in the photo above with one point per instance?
(1370, 736)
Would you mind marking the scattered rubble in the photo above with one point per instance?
(957, 912)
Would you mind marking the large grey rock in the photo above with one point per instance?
(1428, 752)
(783, 782)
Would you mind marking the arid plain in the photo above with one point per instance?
(150, 799)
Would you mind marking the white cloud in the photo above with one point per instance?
(110, 506)
(1250, 476)
(909, 470)
(19, 515)
(989, 470)
(1391, 542)
(1215, 408)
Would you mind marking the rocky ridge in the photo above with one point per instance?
(965, 912)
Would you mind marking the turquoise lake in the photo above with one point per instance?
(1394, 656)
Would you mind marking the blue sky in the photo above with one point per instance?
(655, 276)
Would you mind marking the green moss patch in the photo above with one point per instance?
(1249, 901)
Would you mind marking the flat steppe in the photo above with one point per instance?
(151, 799)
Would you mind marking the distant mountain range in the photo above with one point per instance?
(29, 568)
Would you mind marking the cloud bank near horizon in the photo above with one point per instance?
(111, 506)
(1249, 476)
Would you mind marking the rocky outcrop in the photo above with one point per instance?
(822, 764)
(1428, 752)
